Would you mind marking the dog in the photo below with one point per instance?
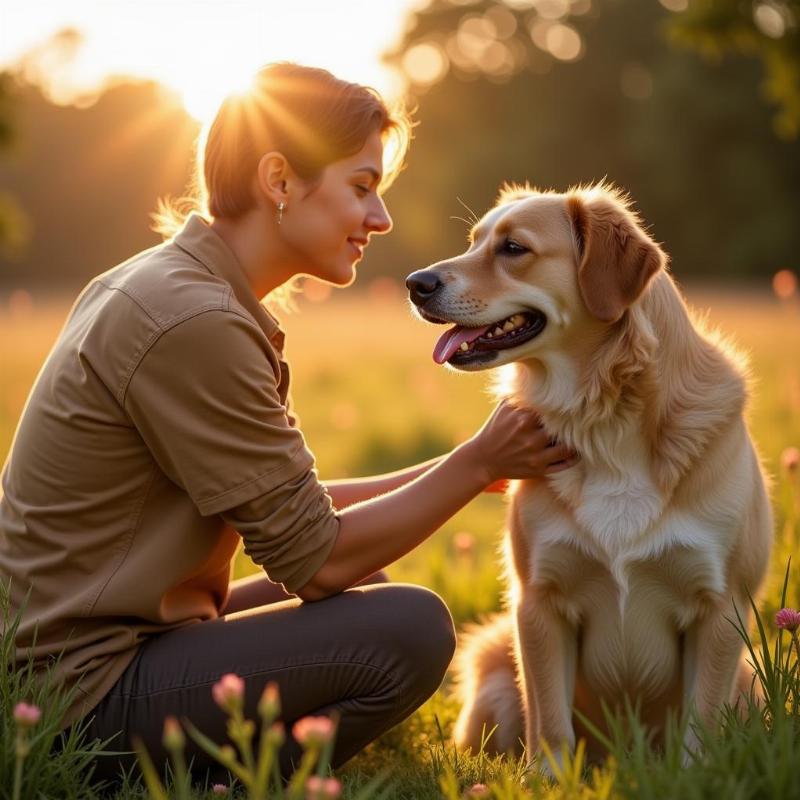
(622, 571)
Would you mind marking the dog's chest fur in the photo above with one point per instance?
(626, 565)
(623, 567)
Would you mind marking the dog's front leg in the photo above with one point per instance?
(711, 659)
(548, 652)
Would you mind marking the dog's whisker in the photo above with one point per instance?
(461, 219)
(472, 215)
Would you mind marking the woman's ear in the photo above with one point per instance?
(617, 259)
(271, 177)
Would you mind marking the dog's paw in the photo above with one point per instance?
(549, 764)
(692, 747)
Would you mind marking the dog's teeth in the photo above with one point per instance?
(464, 346)
(509, 326)
(489, 335)
(498, 331)
(518, 319)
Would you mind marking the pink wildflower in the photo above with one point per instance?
(790, 460)
(313, 730)
(219, 788)
(228, 692)
(787, 619)
(478, 790)
(269, 705)
(322, 788)
(464, 542)
(26, 715)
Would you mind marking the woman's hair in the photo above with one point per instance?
(307, 114)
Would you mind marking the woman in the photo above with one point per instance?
(158, 435)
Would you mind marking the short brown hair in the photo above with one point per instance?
(307, 114)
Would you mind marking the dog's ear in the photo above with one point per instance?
(617, 258)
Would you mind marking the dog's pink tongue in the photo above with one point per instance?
(453, 339)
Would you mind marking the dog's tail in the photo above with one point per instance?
(486, 680)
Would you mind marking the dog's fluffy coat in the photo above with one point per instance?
(623, 570)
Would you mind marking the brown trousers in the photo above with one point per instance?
(372, 654)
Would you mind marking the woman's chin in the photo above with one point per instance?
(342, 277)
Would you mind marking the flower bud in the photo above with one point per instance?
(26, 715)
(311, 731)
(477, 790)
(227, 755)
(276, 735)
(269, 706)
(318, 788)
(228, 693)
(219, 788)
(173, 738)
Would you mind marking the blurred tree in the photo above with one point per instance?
(767, 28)
(560, 92)
(90, 177)
(14, 228)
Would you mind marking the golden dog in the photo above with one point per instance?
(623, 570)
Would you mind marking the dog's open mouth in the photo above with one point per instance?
(461, 345)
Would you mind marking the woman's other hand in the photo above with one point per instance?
(512, 444)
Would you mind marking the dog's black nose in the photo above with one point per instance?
(422, 285)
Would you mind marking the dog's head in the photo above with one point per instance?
(541, 268)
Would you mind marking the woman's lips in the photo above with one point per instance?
(357, 246)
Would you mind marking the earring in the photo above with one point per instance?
(281, 208)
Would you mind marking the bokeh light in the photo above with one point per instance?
(504, 22)
(564, 42)
(769, 20)
(790, 460)
(425, 64)
(464, 543)
(675, 5)
(784, 284)
(552, 9)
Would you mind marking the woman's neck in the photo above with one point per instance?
(258, 250)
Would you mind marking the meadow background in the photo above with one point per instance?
(370, 399)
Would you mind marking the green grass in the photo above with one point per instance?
(371, 399)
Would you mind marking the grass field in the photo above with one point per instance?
(371, 399)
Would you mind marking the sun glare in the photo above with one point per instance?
(201, 95)
(202, 51)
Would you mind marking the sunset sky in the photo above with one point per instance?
(203, 48)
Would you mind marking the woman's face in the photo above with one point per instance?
(328, 223)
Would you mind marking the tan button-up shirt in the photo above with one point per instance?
(155, 438)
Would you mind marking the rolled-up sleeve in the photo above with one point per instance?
(290, 531)
(205, 399)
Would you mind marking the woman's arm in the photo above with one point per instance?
(376, 532)
(348, 492)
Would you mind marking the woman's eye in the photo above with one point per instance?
(512, 248)
(362, 190)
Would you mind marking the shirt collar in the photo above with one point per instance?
(203, 243)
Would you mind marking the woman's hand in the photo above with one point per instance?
(376, 532)
(513, 444)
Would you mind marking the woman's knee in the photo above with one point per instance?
(423, 634)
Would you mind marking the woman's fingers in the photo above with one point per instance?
(559, 458)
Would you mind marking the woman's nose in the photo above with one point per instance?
(378, 219)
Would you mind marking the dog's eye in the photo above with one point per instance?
(511, 248)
